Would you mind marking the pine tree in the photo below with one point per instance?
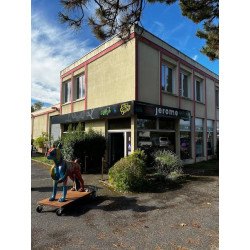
(118, 16)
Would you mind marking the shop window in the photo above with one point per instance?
(210, 137)
(199, 137)
(198, 91)
(217, 130)
(124, 123)
(66, 126)
(67, 91)
(156, 140)
(166, 124)
(80, 87)
(146, 123)
(185, 139)
(217, 97)
(184, 85)
(167, 79)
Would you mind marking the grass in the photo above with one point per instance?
(206, 167)
(42, 159)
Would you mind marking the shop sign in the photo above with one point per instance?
(145, 109)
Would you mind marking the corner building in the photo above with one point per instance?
(143, 93)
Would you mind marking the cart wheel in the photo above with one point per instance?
(59, 212)
(39, 209)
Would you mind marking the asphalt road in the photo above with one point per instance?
(184, 218)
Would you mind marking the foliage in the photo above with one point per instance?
(129, 174)
(39, 142)
(167, 162)
(118, 16)
(36, 106)
(78, 144)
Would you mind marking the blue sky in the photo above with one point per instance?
(54, 46)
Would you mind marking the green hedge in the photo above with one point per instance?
(167, 163)
(129, 174)
(78, 144)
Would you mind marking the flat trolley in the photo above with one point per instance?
(72, 197)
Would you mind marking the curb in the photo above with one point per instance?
(43, 163)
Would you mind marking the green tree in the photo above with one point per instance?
(36, 106)
(118, 16)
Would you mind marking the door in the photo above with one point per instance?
(116, 147)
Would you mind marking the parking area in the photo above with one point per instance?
(183, 218)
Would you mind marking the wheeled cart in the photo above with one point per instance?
(72, 197)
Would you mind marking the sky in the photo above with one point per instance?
(54, 46)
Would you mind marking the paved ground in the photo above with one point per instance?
(184, 218)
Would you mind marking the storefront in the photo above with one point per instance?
(154, 126)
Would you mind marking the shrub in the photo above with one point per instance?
(129, 174)
(39, 142)
(167, 162)
(78, 144)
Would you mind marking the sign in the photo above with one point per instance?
(119, 109)
(146, 109)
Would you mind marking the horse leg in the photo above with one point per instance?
(74, 187)
(79, 177)
(64, 192)
(52, 198)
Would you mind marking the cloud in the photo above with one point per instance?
(52, 49)
(195, 57)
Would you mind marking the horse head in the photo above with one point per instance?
(55, 155)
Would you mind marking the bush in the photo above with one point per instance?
(77, 145)
(167, 163)
(39, 142)
(129, 174)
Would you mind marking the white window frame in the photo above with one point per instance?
(201, 90)
(81, 96)
(164, 66)
(68, 84)
(188, 85)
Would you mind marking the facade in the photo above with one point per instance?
(143, 93)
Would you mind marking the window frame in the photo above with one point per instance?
(188, 84)
(201, 90)
(163, 78)
(68, 84)
(78, 87)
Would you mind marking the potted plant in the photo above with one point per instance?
(39, 144)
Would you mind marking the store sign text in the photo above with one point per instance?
(166, 111)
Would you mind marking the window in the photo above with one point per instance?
(198, 91)
(217, 97)
(184, 85)
(199, 137)
(166, 124)
(210, 137)
(217, 130)
(80, 87)
(185, 139)
(147, 123)
(167, 79)
(67, 91)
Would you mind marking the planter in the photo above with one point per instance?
(42, 150)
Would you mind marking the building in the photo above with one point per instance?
(143, 93)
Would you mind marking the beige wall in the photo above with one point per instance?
(210, 99)
(111, 78)
(97, 125)
(169, 100)
(66, 108)
(40, 123)
(148, 74)
(200, 110)
(79, 105)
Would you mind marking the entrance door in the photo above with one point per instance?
(116, 147)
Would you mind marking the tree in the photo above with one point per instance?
(118, 16)
(36, 106)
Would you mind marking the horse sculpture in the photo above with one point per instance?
(60, 172)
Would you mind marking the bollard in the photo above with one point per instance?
(86, 163)
(102, 166)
